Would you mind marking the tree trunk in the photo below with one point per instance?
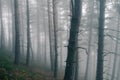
(90, 24)
(17, 33)
(38, 33)
(118, 72)
(72, 46)
(13, 26)
(116, 51)
(2, 29)
(99, 71)
(55, 22)
(77, 66)
(50, 34)
(28, 34)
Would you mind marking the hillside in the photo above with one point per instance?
(9, 71)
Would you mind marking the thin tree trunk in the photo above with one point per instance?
(90, 24)
(9, 29)
(22, 31)
(61, 49)
(28, 34)
(116, 51)
(118, 72)
(55, 21)
(13, 26)
(45, 42)
(99, 71)
(50, 34)
(2, 29)
(17, 33)
(45, 33)
(38, 33)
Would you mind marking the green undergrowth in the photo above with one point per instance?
(9, 71)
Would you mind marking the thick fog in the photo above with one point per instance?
(48, 35)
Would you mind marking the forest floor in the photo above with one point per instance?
(9, 71)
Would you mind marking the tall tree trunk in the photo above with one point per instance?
(72, 46)
(55, 22)
(50, 34)
(77, 66)
(13, 26)
(90, 24)
(118, 72)
(17, 33)
(9, 28)
(22, 29)
(45, 33)
(61, 49)
(116, 51)
(28, 34)
(2, 29)
(38, 32)
(45, 42)
(99, 71)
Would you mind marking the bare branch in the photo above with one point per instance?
(84, 49)
(81, 48)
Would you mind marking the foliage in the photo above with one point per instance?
(9, 71)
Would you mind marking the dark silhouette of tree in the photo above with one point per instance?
(50, 34)
(55, 24)
(17, 33)
(2, 28)
(77, 66)
(72, 46)
(28, 34)
(99, 71)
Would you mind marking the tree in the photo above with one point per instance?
(17, 33)
(90, 24)
(72, 46)
(13, 26)
(116, 52)
(50, 34)
(99, 71)
(114, 75)
(2, 28)
(28, 34)
(38, 31)
(55, 24)
(77, 66)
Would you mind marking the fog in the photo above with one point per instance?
(70, 39)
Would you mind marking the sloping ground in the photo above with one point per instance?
(9, 71)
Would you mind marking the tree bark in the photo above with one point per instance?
(90, 24)
(77, 66)
(116, 51)
(39, 49)
(99, 71)
(17, 33)
(50, 35)
(55, 24)
(28, 33)
(72, 46)
(2, 29)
